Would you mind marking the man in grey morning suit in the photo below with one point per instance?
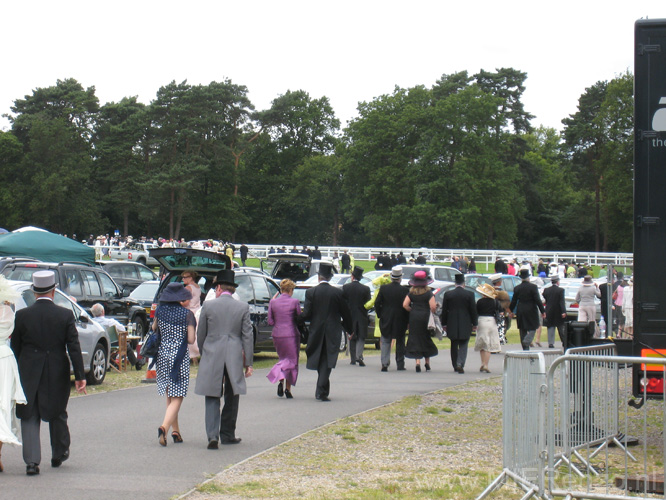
(225, 340)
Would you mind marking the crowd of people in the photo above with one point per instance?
(217, 332)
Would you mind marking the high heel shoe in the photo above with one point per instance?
(418, 368)
(287, 393)
(427, 367)
(161, 435)
(177, 438)
(280, 390)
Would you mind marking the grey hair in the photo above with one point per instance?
(97, 310)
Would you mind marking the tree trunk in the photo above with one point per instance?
(171, 206)
(597, 217)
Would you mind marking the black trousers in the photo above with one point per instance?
(459, 352)
(323, 374)
(222, 425)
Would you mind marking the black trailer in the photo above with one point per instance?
(649, 203)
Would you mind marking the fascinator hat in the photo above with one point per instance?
(7, 293)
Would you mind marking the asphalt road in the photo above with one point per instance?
(115, 453)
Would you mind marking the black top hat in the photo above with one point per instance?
(175, 292)
(460, 279)
(524, 274)
(325, 270)
(225, 277)
(357, 273)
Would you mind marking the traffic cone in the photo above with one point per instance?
(151, 374)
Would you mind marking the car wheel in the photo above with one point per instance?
(142, 261)
(140, 327)
(343, 342)
(98, 365)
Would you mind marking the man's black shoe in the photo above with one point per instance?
(361, 363)
(352, 363)
(460, 369)
(32, 469)
(230, 441)
(57, 462)
(401, 368)
(212, 444)
(384, 368)
(323, 398)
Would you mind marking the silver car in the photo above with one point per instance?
(94, 340)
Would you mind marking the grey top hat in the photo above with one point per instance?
(43, 281)
(175, 292)
(396, 273)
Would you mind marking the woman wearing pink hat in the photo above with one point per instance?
(420, 303)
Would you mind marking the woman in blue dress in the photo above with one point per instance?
(176, 325)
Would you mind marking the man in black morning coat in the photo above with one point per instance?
(526, 297)
(393, 319)
(329, 315)
(41, 334)
(459, 318)
(556, 312)
(356, 294)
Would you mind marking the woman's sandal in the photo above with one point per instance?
(177, 438)
(161, 435)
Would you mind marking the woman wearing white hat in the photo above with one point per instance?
(487, 335)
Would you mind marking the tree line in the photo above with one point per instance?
(454, 165)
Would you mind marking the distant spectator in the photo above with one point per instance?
(243, 254)
(99, 318)
(316, 253)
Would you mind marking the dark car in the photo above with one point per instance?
(6, 261)
(87, 285)
(294, 266)
(144, 294)
(254, 288)
(128, 275)
(94, 339)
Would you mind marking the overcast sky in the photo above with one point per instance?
(349, 51)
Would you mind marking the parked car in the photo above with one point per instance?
(128, 275)
(87, 285)
(144, 294)
(294, 266)
(442, 275)
(6, 261)
(135, 252)
(254, 288)
(95, 342)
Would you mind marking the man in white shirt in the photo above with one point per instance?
(98, 316)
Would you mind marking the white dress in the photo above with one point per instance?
(11, 392)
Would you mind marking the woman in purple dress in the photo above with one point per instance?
(282, 313)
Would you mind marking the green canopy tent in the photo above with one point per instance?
(45, 246)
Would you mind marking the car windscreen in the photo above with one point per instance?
(181, 259)
(145, 291)
(299, 293)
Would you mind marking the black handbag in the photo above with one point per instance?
(151, 346)
(305, 332)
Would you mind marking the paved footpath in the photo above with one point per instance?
(115, 454)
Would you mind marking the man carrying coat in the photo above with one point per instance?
(393, 319)
(526, 298)
(459, 318)
(41, 334)
(225, 341)
(556, 312)
(356, 295)
(328, 313)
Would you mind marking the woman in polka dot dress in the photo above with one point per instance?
(176, 325)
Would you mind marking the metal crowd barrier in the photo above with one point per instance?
(568, 426)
